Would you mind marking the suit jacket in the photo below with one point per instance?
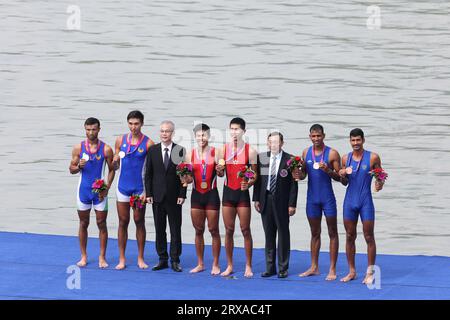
(159, 182)
(286, 187)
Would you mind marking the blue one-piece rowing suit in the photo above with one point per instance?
(358, 198)
(131, 167)
(93, 169)
(320, 196)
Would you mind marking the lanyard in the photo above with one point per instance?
(204, 163)
(359, 163)
(234, 154)
(88, 149)
(137, 145)
(314, 154)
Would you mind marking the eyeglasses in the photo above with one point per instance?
(166, 131)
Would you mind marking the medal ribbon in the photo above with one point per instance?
(204, 164)
(234, 153)
(359, 163)
(314, 154)
(137, 145)
(88, 149)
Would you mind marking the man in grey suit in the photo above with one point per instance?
(275, 197)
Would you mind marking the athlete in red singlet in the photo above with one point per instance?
(236, 197)
(205, 201)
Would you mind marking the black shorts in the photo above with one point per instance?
(235, 198)
(205, 201)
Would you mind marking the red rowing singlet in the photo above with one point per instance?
(198, 166)
(235, 160)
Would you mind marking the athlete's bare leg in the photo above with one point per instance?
(123, 210)
(198, 217)
(244, 214)
(213, 227)
(83, 236)
(315, 226)
(368, 229)
(229, 220)
(103, 236)
(350, 249)
(334, 247)
(139, 220)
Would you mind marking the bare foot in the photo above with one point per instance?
(215, 270)
(83, 262)
(142, 264)
(197, 269)
(121, 265)
(368, 279)
(248, 272)
(331, 275)
(227, 272)
(351, 276)
(102, 264)
(310, 272)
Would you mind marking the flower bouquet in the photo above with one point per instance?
(294, 163)
(136, 201)
(246, 173)
(379, 174)
(184, 169)
(99, 186)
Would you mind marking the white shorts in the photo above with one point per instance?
(102, 206)
(123, 198)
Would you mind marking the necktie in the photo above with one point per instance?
(166, 158)
(273, 176)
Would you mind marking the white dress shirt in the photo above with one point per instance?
(277, 166)
(169, 147)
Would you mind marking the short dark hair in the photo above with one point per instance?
(357, 132)
(202, 127)
(239, 121)
(276, 133)
(91, 121)
(136, 114)
(316, 127)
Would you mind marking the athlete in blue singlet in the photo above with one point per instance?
(321, 164)
(89, 158)
(358, 201)
(131, 151)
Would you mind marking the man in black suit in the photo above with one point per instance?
(275, 197)
(165, 192)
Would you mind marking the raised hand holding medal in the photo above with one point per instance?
(349, 170)
(220, 168)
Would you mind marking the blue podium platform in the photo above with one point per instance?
(34, 266)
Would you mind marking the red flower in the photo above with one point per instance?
(98, 186)
(298, 158)
(379, 174)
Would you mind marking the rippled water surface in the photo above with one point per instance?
(278, 64)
